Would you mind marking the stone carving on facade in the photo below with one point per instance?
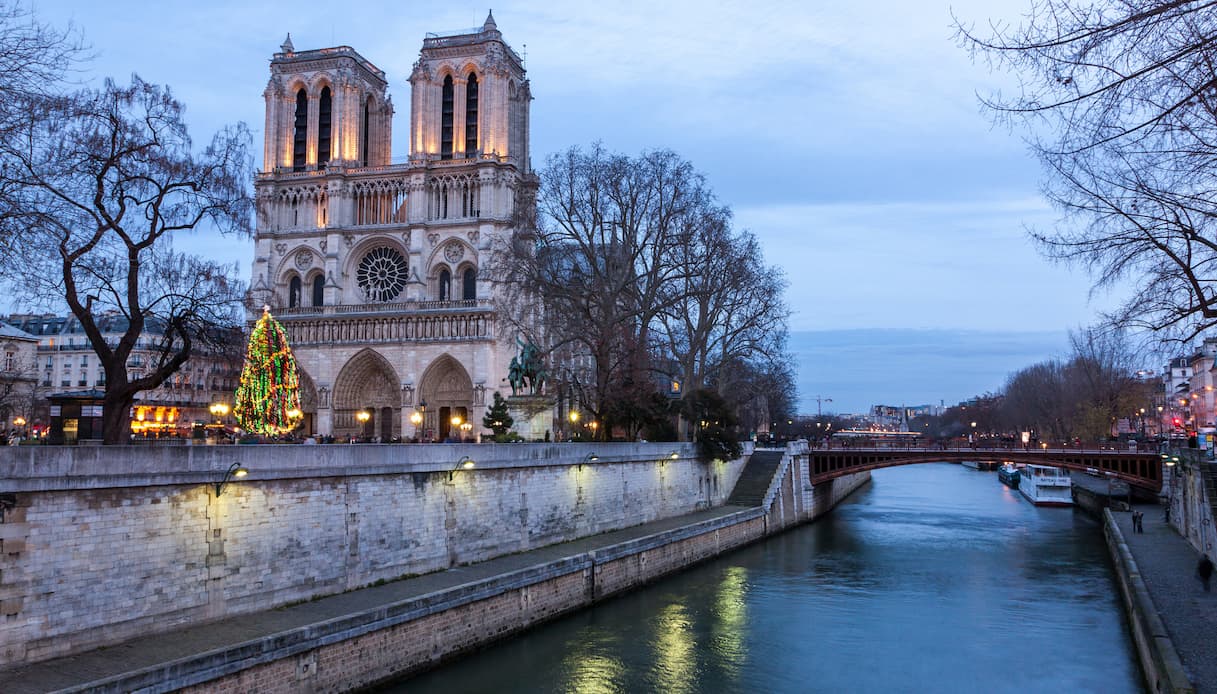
(323, 397)
(322, 244)
(454, 251)
(407, 395)
(405, 238)
(433, 238)
(474, 236)
(420, 72)
(304, 259)
(479, 393)
(280, 248)
(348, 240)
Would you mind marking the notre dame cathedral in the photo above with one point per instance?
(375, 268)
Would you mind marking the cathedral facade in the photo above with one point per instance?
(381, 272)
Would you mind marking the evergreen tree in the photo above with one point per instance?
(497, 418)
(268, 396)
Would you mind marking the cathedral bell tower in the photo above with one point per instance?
(325, 108)
(470, 99)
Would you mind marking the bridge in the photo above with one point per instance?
(1141, 469)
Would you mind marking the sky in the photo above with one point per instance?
(847, 136)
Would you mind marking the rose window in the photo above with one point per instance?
(382, 274)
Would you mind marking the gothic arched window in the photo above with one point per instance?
(445, 285)
(445, 120)
(300, 136)
(469, 285)
(367, 133)
(324, 109)
(319, 290)
(293, 292)
(471, 115)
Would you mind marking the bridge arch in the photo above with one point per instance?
(1138, 468)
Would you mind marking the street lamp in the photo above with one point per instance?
(362, 417)
(234, 471)
(219, 410)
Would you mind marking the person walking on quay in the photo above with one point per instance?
(1140, 519)
(1205, 570)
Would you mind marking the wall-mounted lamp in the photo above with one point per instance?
(234, 471)
(591, 458)
(673, 455)
(465, 463)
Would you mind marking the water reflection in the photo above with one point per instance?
(934, 578)
(730, 622)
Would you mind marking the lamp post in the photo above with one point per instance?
(362, 417)
(574, 421)
(234, 471)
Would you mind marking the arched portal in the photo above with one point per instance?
(367, 383)
(447, 391)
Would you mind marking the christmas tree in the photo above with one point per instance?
(497, 418)
(268, 396)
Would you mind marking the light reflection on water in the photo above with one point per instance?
(934, 578)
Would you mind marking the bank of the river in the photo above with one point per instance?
(932, 578)
(361, 637)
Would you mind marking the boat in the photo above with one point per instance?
(1008, 474)
(1044, 485)
(980, 464)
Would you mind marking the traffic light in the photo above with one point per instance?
(1178, 423)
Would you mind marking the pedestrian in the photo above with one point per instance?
(1140, 522)
(1166, 515)
(1205, 570)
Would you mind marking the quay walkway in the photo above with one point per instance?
(1167, 563)
(182, 649)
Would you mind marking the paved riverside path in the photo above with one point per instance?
(157, 649)
(1168, 566)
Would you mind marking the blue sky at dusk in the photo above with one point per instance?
(848, 138)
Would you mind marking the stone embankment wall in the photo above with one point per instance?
(100, 544)
(392, 641)
(1190, 489)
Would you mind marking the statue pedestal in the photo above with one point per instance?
(533, 415)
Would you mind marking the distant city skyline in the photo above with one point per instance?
(849, 139)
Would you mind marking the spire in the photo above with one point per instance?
(490, 25)
(287, 46)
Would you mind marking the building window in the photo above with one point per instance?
(469, 285)
(445, 121)
(324, 108)
(471, 115)
(319, 290)
(445, 285)
(382, 274)
(84, 360)
(367, 134)
(10, 359)
(300, 139)
(293, 292)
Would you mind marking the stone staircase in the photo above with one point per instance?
(754, 481)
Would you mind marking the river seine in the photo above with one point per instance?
(933, 578)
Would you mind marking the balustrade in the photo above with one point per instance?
(418, 326)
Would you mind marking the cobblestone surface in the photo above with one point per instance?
(1168, 566)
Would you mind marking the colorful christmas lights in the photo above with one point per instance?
(268, 397)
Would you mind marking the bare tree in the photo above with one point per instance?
(100, 181)
(1119, 100)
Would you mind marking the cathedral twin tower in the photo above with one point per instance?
(373, 267)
